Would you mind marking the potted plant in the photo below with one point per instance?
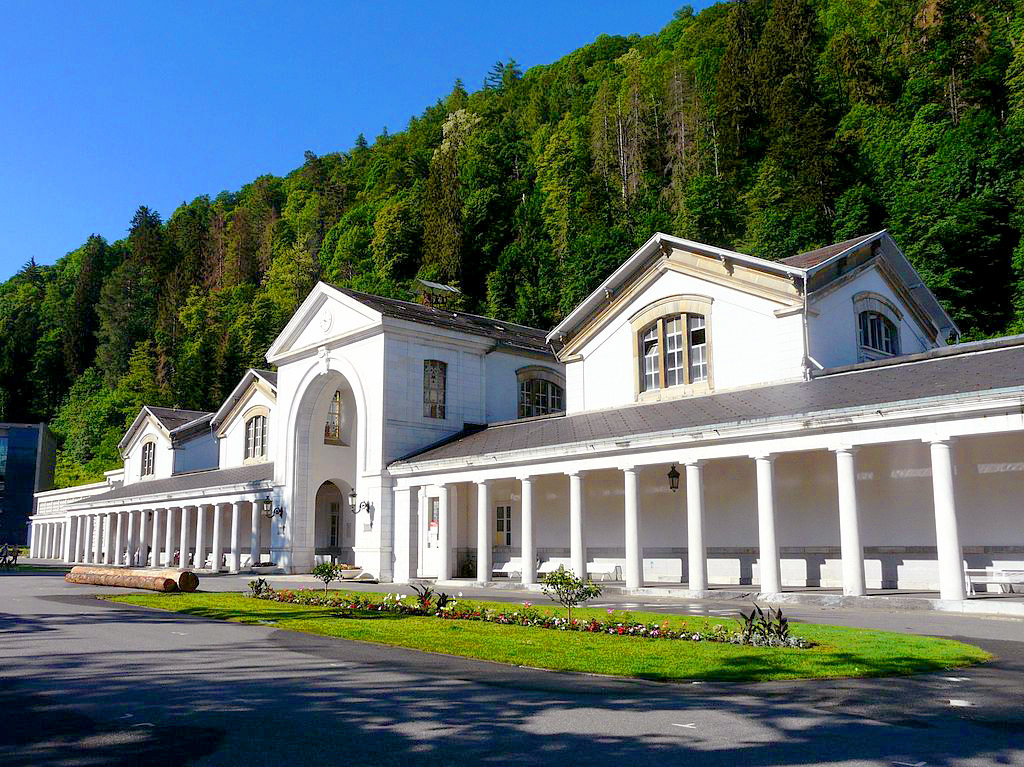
(349, 572)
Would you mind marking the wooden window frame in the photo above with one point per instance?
(435, 410)
(656, 314)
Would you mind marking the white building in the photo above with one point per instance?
(825, 432)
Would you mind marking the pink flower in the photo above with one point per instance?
(527, 604)
(611, 611)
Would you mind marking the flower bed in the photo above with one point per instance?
(751, 631)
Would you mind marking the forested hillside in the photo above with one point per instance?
(768, 127)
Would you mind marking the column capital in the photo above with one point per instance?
(526, 477)
(851, 449)
(576, 473)
(697, 462)
(478, 483)
(628, 468)
(770, 457)
(947, 441)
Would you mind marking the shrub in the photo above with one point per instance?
(260, 589)
(326, 572)
(424, 595)
(568, 589)
(758, 627)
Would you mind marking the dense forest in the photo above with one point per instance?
(764, 126)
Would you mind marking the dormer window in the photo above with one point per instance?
(541, 391)
(256, 437)
(674, 352)
(332, 429)
(148, 459)
(878, 326)
(878, 333)
(671, 349)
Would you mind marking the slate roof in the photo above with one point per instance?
(503, 333)
(269, 375)
(253, 474)
(965, 370)
(814, 257)
(172, 418)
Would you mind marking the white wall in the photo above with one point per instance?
(503, 384)
(164, 455)
(749, 345)
(833, 330)
(232, 441)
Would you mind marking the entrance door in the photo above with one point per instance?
(430, 543)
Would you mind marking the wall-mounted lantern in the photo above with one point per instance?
(268, 508)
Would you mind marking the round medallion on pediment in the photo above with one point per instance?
(326, 320)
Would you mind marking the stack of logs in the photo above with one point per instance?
(152, 580)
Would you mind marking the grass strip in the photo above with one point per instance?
(839, 651)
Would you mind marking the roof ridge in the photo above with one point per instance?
(351, 292)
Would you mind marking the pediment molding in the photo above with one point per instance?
(719, 271)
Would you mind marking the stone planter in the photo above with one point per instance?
(348, 575)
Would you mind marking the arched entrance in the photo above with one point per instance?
(334, 525)
(322, 468)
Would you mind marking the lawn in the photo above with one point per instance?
(839, 652)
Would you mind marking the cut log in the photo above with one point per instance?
(115, 576)
(186, 579)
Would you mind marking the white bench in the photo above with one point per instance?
(511, 569)
(553, 564)
(1005, 578)
(609, 571)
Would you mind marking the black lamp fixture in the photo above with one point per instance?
(363, 505)
(268, 508)
(673, 478)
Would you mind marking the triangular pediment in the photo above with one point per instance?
(326, 315)
(710, 268)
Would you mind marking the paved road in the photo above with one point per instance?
(88, 682)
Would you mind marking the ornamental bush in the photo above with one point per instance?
(326, 572)
(568, 589)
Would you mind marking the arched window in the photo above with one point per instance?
(256, 437)
(148, 459)
(332, 429)
(878, 333)
(673, 351)
(541, 391)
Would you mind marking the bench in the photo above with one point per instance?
(609, 571)
(553, 564)
(511, 569)
(1005, 578)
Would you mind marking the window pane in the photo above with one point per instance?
(649, 359)
(674, 373)
(434, 374)
(697, 338)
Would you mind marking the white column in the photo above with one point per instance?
(69, 539)
(169, 536)
(97, 552)
(483, 531)
(255, 544)
(76, 554)
(947, 534)
(119, 538)
(158, 515)
(403, 526)
(577, 547)
(849, 523)
(631, 504)
(696, 551)
(186, 519)
(111, 551)
(143, 557)
(200, 560)
(529, 546)
(129, 538)
(90, 531)
(771, 582)
(444, 545)
(45, 540)
(236, 536)
(218, 540)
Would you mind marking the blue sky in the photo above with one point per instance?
(106, 106)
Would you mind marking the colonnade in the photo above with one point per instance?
(950, 553)
(161, 536)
